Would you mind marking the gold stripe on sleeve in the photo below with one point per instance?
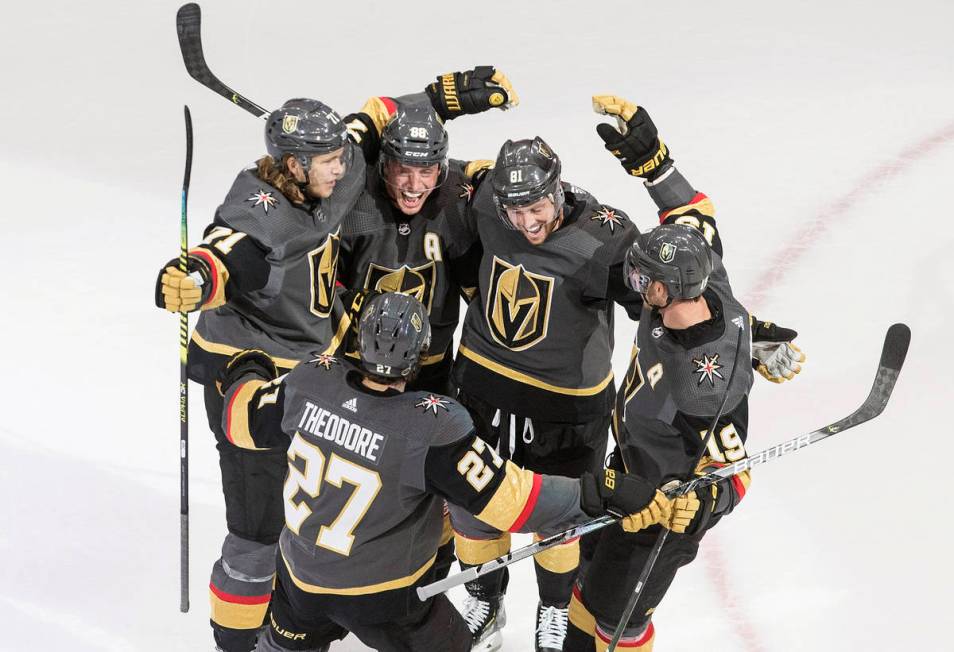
(509, 500)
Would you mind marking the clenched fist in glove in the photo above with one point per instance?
(471, 91)
(773, 354)
(178, 292)
(692, 512)
(249, 361)
(636, 141)
(625, 495)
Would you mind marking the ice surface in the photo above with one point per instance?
(822, 130)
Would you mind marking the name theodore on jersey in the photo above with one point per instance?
(339, 430)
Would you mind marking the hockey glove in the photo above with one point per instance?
(773, 354)
(692, 512)
(178, 292)
(636, 141)
(472, 91)
(249, 361)
(631, 497)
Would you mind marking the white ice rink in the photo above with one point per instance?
(823, 131)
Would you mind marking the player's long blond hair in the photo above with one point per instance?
(277, 175)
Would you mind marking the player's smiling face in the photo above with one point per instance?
(409, 186)
(535, 221)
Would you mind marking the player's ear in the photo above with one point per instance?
(294, 166)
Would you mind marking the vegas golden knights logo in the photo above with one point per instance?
(415, 281)
(324, 263)
(518, 305)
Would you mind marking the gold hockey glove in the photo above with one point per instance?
(635, 142)
(617, 493)
(177, 292)
(471, 91)
(773, 354)
(658, 511)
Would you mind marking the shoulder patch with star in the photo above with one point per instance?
(326, 361)
(608, 217)
(708, 368)
(466, 191)
(263, 199)
(432, 404)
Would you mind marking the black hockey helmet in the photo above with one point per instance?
(393, 335)
(526, 171)
(676, 255)
(415, 136)
(304, 128)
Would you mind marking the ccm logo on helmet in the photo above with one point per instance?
(416, 154)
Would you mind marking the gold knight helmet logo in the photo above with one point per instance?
(416, 281)
(518, 305)
(324, 264)
(290, 124)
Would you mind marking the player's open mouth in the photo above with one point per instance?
(411, 199)
(535, 229)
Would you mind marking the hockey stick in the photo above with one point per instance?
(189, 28)
(892, 357)
(184, 384)
(664, 532)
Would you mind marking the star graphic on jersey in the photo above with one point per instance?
(432, 403)
(263, 199)
(325, 361)
(608, 216)
(708, 369)
(466, 191)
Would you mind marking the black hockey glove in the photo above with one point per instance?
(773, 354)
(630, 497)
(178, 292)
(249, 361)
(471, 91)
(636, 141)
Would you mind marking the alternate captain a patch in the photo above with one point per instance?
(416, 281)
(324, 265)
(263, 199)
(708, 368)
(608, 217)
(518, 305)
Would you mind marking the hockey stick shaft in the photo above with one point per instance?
(892, 357)
(184, 383)
(189, 29)
(664, 532)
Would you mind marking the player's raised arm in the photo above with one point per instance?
(453, 94)
(636, 144)
(254, 399)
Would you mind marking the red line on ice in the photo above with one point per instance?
(787, 259)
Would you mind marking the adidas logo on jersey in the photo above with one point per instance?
(351, 404)
(739, 321)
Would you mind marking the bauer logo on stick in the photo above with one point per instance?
(667, 252)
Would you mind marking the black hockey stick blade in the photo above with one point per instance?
(189, 29)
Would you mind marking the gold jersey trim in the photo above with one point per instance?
(398, 583)
(559, 559)
(530, 380)
(285, 363)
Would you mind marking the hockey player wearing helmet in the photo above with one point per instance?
(534, 363)
(680, 371)
(264, 278)
(407, 234)
(370, 464)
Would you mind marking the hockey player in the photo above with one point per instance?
(369, 467)
(534, 363)
(682, 361)
(406, 233)
(264, 277)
